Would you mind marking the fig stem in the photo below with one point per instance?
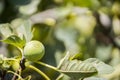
(49, 66)
(39, 71)
(21, 52)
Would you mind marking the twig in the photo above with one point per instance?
(39, 71)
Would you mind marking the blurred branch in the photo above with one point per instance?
(104, 35)
(56, 13)
(42, 16)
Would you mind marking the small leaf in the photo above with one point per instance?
(6, 30)
(15, 41)
(76, 56)
(25, 31)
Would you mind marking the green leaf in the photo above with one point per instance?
(81, 69)
(25, 31)
(6, 30)
(15, 41)
(76, 69)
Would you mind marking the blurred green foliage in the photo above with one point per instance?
(90, 28)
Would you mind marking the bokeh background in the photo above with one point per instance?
(90, 28)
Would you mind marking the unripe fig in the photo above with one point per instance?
(34, 50)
